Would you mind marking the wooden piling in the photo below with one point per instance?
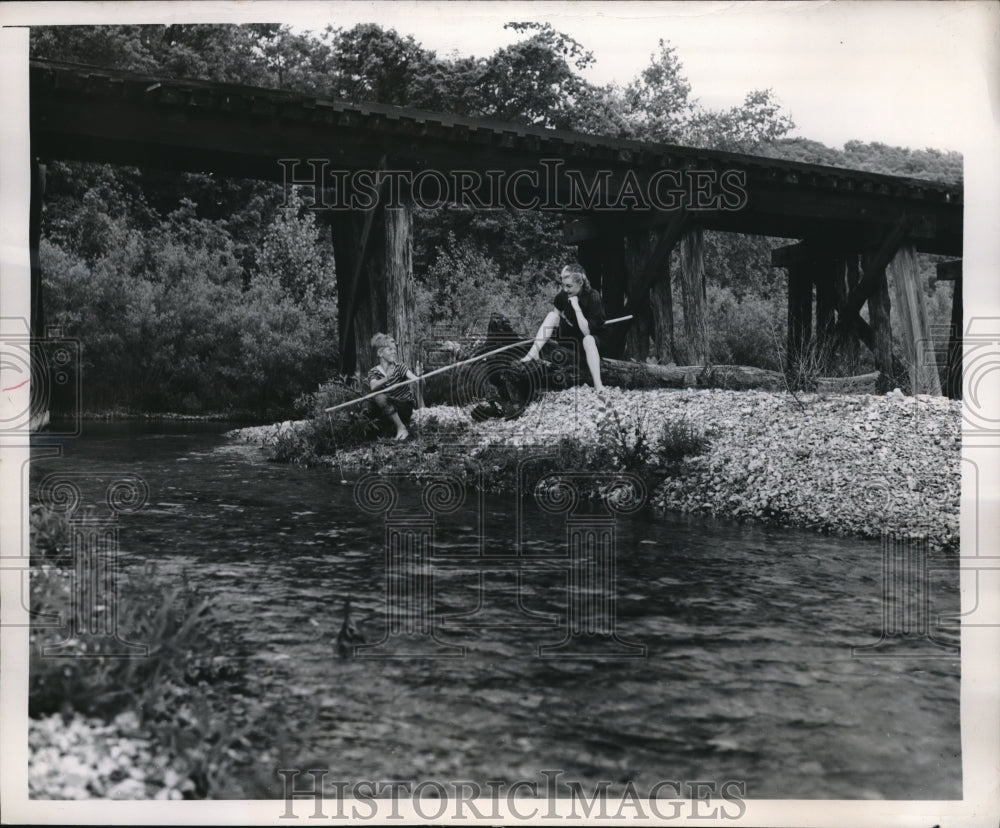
(799, 311)
(918, 351)
(878, 315)
(694, 302)
(638, 248)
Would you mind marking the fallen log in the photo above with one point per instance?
(625, 374)
(501, 385)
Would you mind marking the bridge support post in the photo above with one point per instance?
(398, 270)
(694, 301)
(613, 287)
(588, 254)
(800, 286)
(662, 302)
(374, 256)
(917, 350)
(952, 272)
(637, 252)
(878, 314)
(829, 274)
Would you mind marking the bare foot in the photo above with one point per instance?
(402, 435)
(529, 357)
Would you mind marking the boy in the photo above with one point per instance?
(396, 405)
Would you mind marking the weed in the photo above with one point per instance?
(180, 690)
(49, 532)
(679, 439)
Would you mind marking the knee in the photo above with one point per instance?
(382, 401)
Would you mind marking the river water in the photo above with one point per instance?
(740, 636)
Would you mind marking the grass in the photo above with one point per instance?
(180, 691)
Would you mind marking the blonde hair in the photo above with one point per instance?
(380, 340)
(577, 272)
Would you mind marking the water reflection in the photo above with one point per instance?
(747, 630)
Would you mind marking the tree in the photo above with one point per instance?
(534, 81)
(745, 128)
(294, 254)
(657, 105)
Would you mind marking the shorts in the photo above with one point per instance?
(571, 338)
(394, 405)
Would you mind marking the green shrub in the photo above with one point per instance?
(740, 328)
(186, 645)
(179, 690)
(677, 440)
(49, 532)
(624, 441)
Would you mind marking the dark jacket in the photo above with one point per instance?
(593, 312)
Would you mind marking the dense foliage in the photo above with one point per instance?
(194, 293)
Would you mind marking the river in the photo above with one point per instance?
(740, 636)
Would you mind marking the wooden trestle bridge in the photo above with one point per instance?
(626, 204)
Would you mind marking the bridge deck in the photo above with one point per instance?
(94, 114)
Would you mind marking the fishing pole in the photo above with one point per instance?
(449, 368)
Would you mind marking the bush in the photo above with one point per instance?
(49, 532)
(175, 691)
(186, 644)
(623, 441)
(464, 287)
(740, 329)
(678, 439)
(167, 320)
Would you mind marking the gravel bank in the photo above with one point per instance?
(856, 464)
(74, 757)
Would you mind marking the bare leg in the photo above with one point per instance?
(548, 327)
(593, 361)
(389, 411)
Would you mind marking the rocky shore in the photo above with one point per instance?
(846, 464)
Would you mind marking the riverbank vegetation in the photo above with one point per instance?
(182, 719)
(194, 294)
(855, 464)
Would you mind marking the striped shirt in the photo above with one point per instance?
(396, 373)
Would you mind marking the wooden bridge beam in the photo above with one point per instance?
(878, 315)
(694, 302)
(953, 384)
(917, 347)
(374, 258)
(649, 267)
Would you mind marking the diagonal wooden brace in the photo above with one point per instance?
(347, 323)
(653, 268)
(875, 266)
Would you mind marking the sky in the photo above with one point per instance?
(908, 73)
(871, 71)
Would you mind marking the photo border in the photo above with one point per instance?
(979, 521)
